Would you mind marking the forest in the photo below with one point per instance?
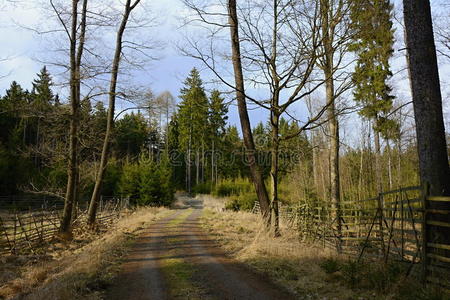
(289, 108)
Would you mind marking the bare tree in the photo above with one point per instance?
(278, 52)
(335, 37)
(75, 59)
(129, 6)
(257, 177)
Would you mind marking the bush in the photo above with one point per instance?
(352, 273)
(147, 182)
(330, 265)
(235, 187)
(202, 188)
(129, 181)
(244, 201)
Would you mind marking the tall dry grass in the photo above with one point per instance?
(80, 273)
(309, 271)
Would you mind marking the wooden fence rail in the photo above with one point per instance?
(392, 226)
(23, 231)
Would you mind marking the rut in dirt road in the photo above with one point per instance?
(175, 259)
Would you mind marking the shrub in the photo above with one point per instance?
(244, 201)
(330, 265)
(147, 182)
(202, 188)
(129, 181)
(155, 183)
(235, 187)
(351, 272)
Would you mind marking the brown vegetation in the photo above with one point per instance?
(75, 270)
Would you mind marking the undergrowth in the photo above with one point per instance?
(307, 270)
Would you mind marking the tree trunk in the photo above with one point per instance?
(334, 159)
(74, 117)
(212, 162)
(378, 174)
(197, 166)
(110, 118)
(249, 143)
(274, 173)
(427, 99)
(389, 152)
(427, 102)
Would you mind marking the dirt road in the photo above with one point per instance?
(175, 259)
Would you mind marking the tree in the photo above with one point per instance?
(255, 171)
(128, 8)
(192, 122)
(131, 135)
(217, 120)
(75, 55)
(335, 39)
(427, 102)
(373, 44)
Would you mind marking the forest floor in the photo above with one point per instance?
(197, 250)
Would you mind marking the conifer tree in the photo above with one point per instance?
(41, 90)
(192, 122)
(373, 45)
(217, 120)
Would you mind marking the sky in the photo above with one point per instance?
(24, 49)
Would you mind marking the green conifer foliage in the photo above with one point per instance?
(373, 45)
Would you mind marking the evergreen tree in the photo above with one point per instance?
(41, 91)
(193, 123)
(217, 120)
(131, 135)
(373, 44)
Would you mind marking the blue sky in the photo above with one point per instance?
(24, 48)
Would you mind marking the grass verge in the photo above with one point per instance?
(308, 271)
(80, 273)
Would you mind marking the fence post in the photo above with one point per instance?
(424, 260)
(380, 222)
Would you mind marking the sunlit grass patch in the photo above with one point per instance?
(179, 277)
(180, 218)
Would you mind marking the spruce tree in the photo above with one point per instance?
(373, 45)
(41, 91)
(193, 123)
(217, 120)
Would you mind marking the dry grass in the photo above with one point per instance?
(306, 270)
(77, 273)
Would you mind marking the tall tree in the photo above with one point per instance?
(427, 99)
(427, 102)
(217, 119)
(373, 44)
(335, 32)
(128, 8)
(75, 54)
(192, 123)
(255, 171)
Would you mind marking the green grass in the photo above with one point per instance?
(180, 219)
(179, 276)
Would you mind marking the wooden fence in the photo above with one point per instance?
(392, 226)
(24, 230)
